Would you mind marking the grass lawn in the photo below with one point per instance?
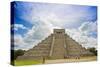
(27, 62)
(49, 61)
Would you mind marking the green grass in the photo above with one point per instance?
(27, 62)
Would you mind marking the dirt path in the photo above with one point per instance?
(71, 60)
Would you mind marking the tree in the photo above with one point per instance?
(93, 50)
(16, 53)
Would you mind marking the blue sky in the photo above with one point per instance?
(35, 21)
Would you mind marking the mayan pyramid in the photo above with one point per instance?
(56, 46)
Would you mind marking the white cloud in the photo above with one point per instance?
(21, 43)
(33, 36)
(43, 26)
(88, 27)
(45, 18)
(18, 42)
(38, 33)
(59, 15)
(81, 34)
(18, 26)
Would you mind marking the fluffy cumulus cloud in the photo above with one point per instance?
(82, 34)
(23, 42)
(18, 26)
(18, 42)
(38, 33)
(39, 19)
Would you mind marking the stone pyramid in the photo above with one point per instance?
(56, 46)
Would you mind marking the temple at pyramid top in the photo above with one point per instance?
(59, 31)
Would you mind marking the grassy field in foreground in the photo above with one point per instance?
(26, 62)
(33, 62)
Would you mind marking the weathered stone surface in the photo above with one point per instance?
(56, 46)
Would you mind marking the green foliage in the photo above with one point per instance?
(93, 50)
(16, 53)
